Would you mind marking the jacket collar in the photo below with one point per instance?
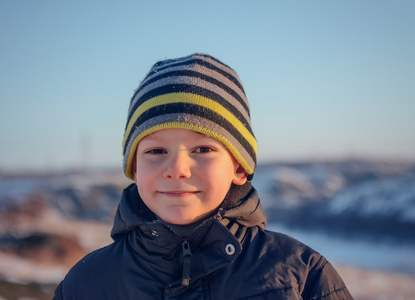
(219, 237)
(241, 206)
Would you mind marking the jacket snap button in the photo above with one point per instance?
(230, 249)
(154, 233)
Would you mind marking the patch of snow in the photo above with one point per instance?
(18, 270)
(385, 197)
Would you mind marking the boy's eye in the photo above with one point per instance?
(156, 151)
(203, 150)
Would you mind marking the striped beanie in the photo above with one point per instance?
(196, 92)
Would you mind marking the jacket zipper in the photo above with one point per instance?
(187, 254)
(187, 262)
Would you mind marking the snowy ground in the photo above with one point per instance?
(377, 285)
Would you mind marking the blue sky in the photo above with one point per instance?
(325, 79)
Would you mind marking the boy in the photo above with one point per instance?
(192, 226)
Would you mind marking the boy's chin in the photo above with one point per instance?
(183, 217)
(184, 220)
(175, 221)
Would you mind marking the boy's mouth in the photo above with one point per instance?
(178, 193)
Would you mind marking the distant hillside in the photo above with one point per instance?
(374, 200)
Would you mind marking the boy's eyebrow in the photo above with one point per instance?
(154, 138)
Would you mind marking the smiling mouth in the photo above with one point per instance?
(179, 193)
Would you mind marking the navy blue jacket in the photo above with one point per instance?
(229, 256)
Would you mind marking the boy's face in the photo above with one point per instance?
(182, 175)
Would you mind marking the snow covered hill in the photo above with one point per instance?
(356, 198)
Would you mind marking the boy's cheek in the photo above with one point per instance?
(147, 167)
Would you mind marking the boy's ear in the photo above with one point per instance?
(134, 167)
(240, 176)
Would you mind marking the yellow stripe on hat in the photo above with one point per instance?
(192, 99)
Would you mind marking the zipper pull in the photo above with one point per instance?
(187, 262)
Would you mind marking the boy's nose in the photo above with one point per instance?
(178, 166)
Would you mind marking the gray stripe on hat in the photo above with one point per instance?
(165, 67)
(200, 83)
(221, 66)
(206, 58)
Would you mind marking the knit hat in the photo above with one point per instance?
(196, 92)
